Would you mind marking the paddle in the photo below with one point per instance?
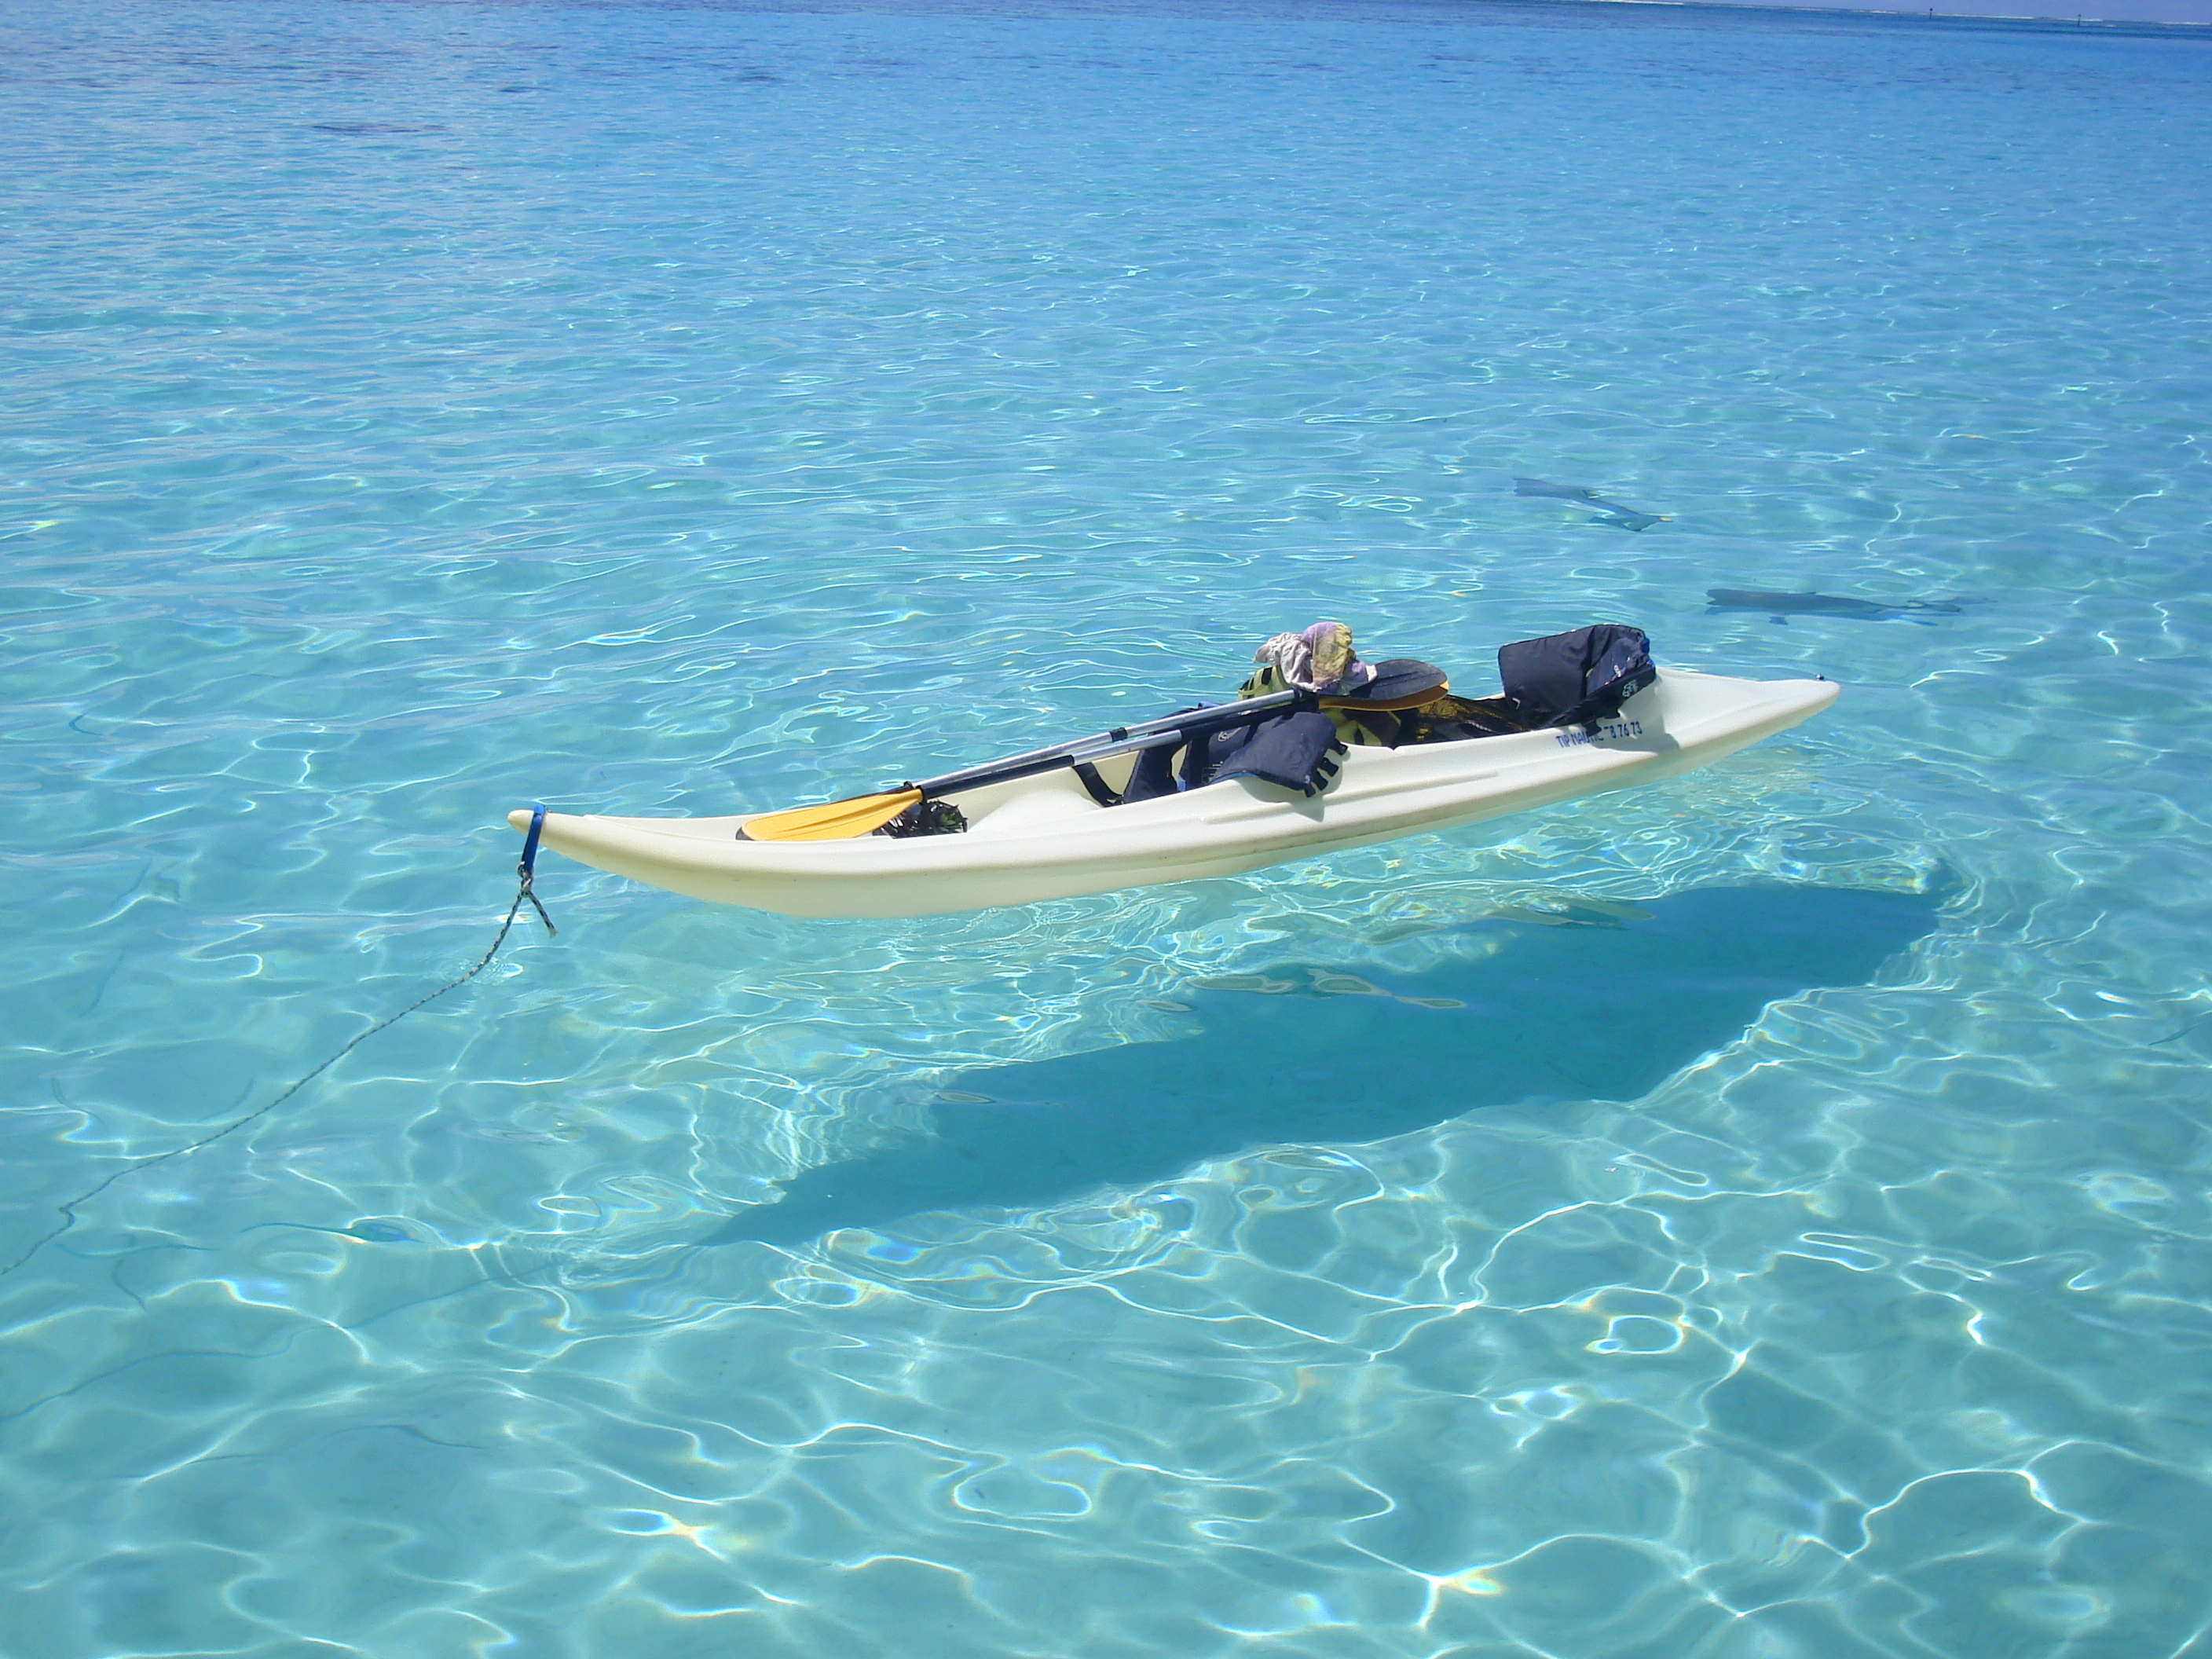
(1400, 683)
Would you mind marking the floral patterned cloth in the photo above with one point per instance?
(1320, 660)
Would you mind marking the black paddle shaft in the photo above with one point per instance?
(1165, 733)
(1398, 678)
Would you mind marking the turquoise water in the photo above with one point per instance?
(1761, 1215)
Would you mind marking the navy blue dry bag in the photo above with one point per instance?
(1572, 679)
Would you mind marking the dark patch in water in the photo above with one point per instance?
(1780, 607)
(361, 129)
(1621, 518)
(1585, 1012)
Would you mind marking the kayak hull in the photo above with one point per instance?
(1044, 837)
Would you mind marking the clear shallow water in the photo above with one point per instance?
(1762, 1215)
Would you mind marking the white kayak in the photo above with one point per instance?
(1044, 837)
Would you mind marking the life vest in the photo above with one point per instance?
(1299, 751)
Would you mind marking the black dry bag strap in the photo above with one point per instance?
(1095, 786)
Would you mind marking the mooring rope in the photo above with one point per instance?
(524, 872)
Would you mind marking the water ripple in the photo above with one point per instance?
(1762, 1214)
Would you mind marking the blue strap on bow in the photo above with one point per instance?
(527, 868)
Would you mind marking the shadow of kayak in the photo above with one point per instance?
(1596, 1008)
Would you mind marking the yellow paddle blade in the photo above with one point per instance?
(836, 820)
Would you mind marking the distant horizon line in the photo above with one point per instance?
(1904, 13)
(1912, 13)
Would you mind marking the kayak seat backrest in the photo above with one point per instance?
(1154, 772)
(1572, 678)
